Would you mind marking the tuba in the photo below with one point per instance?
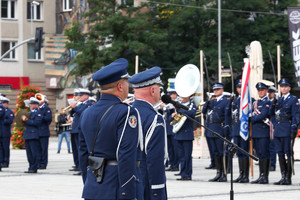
(187, 83)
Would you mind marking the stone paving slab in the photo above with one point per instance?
(58, 183)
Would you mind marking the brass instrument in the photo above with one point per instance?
(40, 97)
(70, 108)
(187, 83)
(199, 109)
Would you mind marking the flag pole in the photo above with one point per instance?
(251, 149)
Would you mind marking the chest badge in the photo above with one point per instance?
(132, 121)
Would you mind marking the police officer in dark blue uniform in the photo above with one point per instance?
(261, 132)
(31, 135)
(146, 86)
(185, 137)
(8, 120)
(2, 115)
(218, 118)
(286, 120)
(44, 134)
(273, 101)
(76, 111)
(172, 143)
(238, 140)
(117, 139)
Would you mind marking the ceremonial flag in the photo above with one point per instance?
(294, 29)
(245, 104)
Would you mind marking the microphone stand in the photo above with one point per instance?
(232, 148)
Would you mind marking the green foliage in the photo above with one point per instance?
(170, 35)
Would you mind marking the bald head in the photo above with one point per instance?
(150, 94)
(118, 88)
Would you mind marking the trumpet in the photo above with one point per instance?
(77, 103)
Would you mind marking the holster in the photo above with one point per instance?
(97, 165)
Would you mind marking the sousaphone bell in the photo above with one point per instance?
(187, 83)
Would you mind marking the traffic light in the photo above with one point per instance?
(38, 39)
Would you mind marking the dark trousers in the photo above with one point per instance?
(211, 150)
(243, 145)
(218, 146)
(262, 147)
(185, 154)
(273, 153)
(32, 152)
(75, 146)
(43, 146)
(1, 151)
(5, 142)
(173, 152)
(283, 146)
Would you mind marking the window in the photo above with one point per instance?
(36, 9)
(127, 3)
(8, 9)
(32, 55)
(5, 46)
(67, 5)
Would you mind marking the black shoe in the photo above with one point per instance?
(42, 167)
(77, 174)
(177, 174)
(31, 171)
(74, 170)
(58, 151)
(4, 165)
(69, 151)
(184, 179)
(174, 169)
(169, 169)
(211, 167)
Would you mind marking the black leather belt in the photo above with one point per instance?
(217, 122)
(283, 119)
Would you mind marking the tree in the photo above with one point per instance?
(171, 33)
(114, 32)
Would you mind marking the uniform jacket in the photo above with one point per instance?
(154, 155)
(46, 120)
(76, 112)
(117, 140)
(8, 120)
(235, 115)
(217, 116)
(32, 125)
(168, 114)
(2, 115)
(186, 132)
(259, 128)
(286, 114)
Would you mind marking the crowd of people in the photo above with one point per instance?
(123, 148)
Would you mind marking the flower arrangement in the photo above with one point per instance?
(197, 133)
(17, 134)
